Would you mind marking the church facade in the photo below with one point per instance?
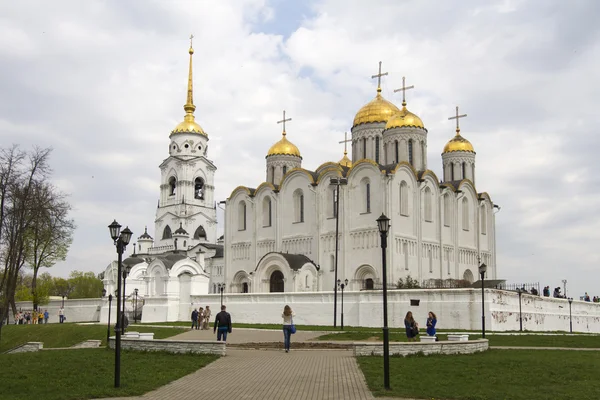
(280, 236)
(167, 271)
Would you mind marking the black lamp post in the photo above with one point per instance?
(121, 240)
(108, 327)
(342, 285)
(482, 269)
(384, 226)
(135, 307)
(221, 287)
(337, 182)
(520, 291)
(570, 316)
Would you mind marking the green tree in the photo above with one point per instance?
(85, 285)
(408, 283)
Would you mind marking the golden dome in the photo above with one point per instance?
(189, 124)
(377, 110)
(404, 118)
(284, 147)
(345, 161)
(458, 143)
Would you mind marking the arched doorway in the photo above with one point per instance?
(245, 287)
(369, 284)
(468, 276)
(276, 282)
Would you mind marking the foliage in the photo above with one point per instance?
(84, 285)
(492, 375)
(80, 285)
(446, 283)
(408, 283)
(26, 375)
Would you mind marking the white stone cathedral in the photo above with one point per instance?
(280, 235)
(169, 270)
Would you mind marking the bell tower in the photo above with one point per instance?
(187, 182)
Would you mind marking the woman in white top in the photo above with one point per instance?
(288, 321)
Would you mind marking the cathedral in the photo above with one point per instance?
(280, 236)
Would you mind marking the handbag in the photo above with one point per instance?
(415, 330)
(292, 327)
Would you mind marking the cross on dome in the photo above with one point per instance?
(378, 76)
(346, 140)
(456, 117)
(404, 88)
(283, 121)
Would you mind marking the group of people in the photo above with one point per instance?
(412, 326)
(31, 317)
(556, 293)
(595, 299)
(200, 318)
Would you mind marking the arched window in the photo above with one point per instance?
(377, 149)
(473, 172)
(447, 210)
(465, 214)
(332, 260)
(410, 151)
(284, 169)
(242, 216)
(214, 288)
(199, 188)
(331, 200)
(267, 211)
(158, 284)
(452, 171)
(464, 170)
(167, 233)
(273, 175)
(299, 206)
(423, 155)
(366, 185)
(276, 282)
(403, 198)
(200, 233)
(430, 256)
(427, 205)
(397, 160)
(364, 147)
(306, 281)
(172, 186)
(483, 218)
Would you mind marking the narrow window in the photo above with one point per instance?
(483, 218)
(334, 202)
(452, 171)
(242, 216)
(405, 249)
(397, 160)
(403, 198)
(464, 170)
(368, 197)
(199, 188)
(427, 205)
(267, 212)
(377, 149)
(332, 267)
(447, 210)
(273, 175)
(423, 155)
(301, 208)
(429, 255)
(410, 151)
(364, 147)
(167, 232)
(172, 186)
(284, 169)
(465, 215)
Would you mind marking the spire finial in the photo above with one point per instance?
(404, 88)
(283, 121)
(378, 76)
(456, 117)
(189, 106)
(346, 140)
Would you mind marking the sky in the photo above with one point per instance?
(104, 82)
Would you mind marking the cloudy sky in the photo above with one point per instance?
(103, 83)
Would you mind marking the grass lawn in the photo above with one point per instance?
(89, 373)
(493, 375)
(66, 335)
(495, 340)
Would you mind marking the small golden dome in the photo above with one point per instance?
(404, 118)
(189, 125)
(377, 110)
(345, 161)
(284, 147)
(458, 143)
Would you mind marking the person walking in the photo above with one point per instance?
(222, 324)
(206, 318)
(200, 318)
(431, 321)
(46, 316)
(288, 323)
(61, 315)
(194, 318)
(412, 328)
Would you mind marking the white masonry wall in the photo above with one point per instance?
(80, 310)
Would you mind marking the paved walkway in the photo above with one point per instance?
(245, 335)
(271, 375)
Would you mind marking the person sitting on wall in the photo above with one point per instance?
(431, 322)
(534, 291)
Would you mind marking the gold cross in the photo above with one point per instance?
(404, 88)
(284, 121)
(456, 117)
(346, 140)
(378, 76)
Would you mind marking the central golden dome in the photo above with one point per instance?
(377, 110)
(284, 147)
(345, 161)
(458, 143)
(404, 118)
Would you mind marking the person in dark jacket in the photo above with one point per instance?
(412, 328)
(431, 321)
(222, 324)
(195, 319)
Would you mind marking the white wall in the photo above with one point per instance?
(80, 310)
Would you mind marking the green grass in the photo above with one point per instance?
(66, 335)
(493, 375)
(89, 373)
(495, 340)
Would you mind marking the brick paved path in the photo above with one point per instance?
(272, 375)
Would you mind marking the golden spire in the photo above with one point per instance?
(189, 124)
(378, 76)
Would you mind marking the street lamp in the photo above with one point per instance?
(221, 287)
(564, 282)
(520, 291)
(482, 269)
(108, 327)
(121, 240)
(337, 182)
(126, 271)
(570, 316)
(384, 226)
(135, 308)
(342, 286)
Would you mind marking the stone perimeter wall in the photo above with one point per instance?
(79, 310)
(405, 349)
(172, 346)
